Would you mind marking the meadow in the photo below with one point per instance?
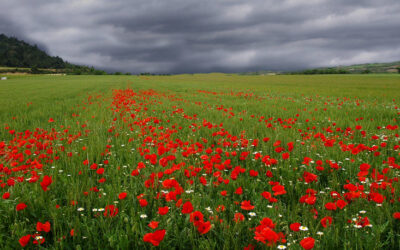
(203, 161)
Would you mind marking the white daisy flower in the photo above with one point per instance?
(303, 228)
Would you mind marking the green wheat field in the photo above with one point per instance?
(202, 161)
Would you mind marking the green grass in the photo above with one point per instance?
(185, 115)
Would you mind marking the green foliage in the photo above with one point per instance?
(323, 71)
(35, 70)
(16, 53)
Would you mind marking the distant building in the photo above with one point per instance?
(4, 78)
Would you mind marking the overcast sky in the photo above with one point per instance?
(178, 36)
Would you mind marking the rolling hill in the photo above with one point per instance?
(19, 56)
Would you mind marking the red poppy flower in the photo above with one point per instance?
(187, 207)
(24, 240)
(153, 224)
(278, 190)
(253, 173)
(330, 206)
(326, 221)
(154, 238)
(307, 243)
(246, 205)
(341, 204)
(122, 195)
(21, 206)
(266, 234)
(43, 227)
(100, 171)
(239, 190)
(6, 195)
(203, 227)
(143, 202)
(309, 177)
(295, 226)
(238, 217)
(110, 211)
(163, 210)
(196, 217)
(285, 156)
(46, 182)
(396, 215)
(267, 195)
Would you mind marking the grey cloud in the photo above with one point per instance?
(179, 36)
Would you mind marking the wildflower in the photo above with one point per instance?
(6, 195)
(46, 182)
(122, 195)
(203, 227)
(295, 227)
(24, 240)
(110, 211)
(187, 207)
(153, 224)
(326, 221)
(143, 202)
(307, 243)
(238, 217)
(154, 238)
(163, 210)
(196, 217)
(245, 205)
(43, 226)
(21, 206)
(303, 228)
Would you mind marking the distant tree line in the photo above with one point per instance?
(152, 74)
(322, 71)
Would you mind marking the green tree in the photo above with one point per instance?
(35, 70)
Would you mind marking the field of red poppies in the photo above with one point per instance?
(206, 161)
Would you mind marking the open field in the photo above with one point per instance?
(204, 161)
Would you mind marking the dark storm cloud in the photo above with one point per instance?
(202, 36)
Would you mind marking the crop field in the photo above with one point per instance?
(203, 161)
